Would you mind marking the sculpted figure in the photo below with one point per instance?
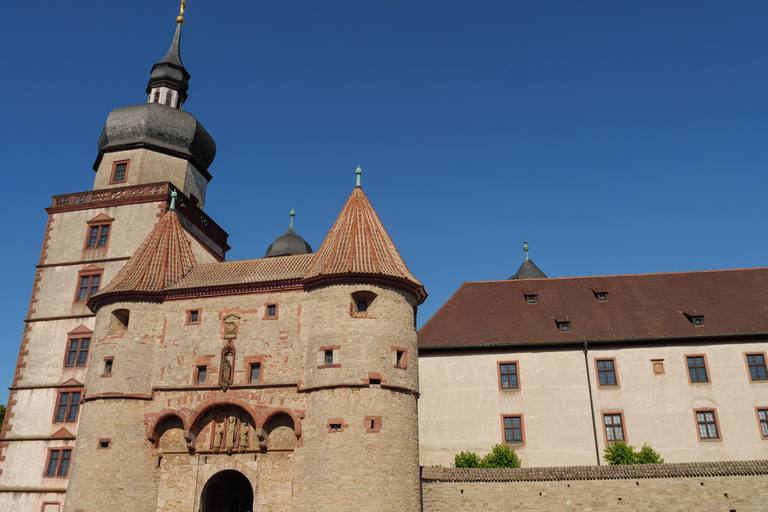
(231, 431)
(226, 373)
(243, 436)
(219, 434)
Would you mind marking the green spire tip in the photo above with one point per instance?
(292, 215)
(525, 247)
(174, 195)
(358, 171)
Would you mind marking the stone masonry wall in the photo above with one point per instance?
(718, 486)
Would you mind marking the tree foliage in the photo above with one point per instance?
(622, 453)
(501, 456)
(2, 414)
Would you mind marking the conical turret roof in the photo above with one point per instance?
(358, 244)
(163, 258)
(528, 270)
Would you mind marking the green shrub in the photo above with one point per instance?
(648, 455)
(501, 456)
(466, 460)
(622, 453)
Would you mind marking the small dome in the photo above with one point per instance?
(288, 244)
(157, 127)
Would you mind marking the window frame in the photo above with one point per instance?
(504, 429)
(109, 362)
(196, 375)
(322, 351)
(706, 369)
(188, 318)
(99, 223)
(59, 450)
(615, 371)
(760, 421)
(623, 426)
(336, 421)
(563, 325)
(112, 180)
(275, 305)
(372, 424)
(403, 360)
(251, 365)
(67, 411)
(517, 375)
(90, 272)
(79, 334)
(719, 432)
(531, 298)
(764, 365)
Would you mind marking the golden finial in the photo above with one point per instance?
(180, 17)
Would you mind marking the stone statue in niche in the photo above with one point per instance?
(243, 435)
(231, 432)
(219, 434)
(227, 363)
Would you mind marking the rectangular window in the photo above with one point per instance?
(97, 236)
(88, 282)
(762, 417)
(329, 357)
(606, 372)
(399, 354)
(362, 306)
(707, 421)
(194, 316)
(119, 171)
(614, 427)
(530, 299)
(697, 369)
(255, 372)
(271, 311)
(202, 373)
(508, 375)
(67, 407)
(58, 463)
(77, 352)
(513, 429)
(757, 368)
(107, 368)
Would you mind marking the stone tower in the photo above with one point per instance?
(144, 152)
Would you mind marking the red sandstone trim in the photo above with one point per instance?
(372, 424)
(112, 173)
(266, 311)
(116, 396)
(199, 316)
(402, 284)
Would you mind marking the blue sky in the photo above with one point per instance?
(619, 137)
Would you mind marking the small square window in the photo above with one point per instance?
(362, 306)
(757, 367)
(602, 297)
(58, 463)
(698, 321)
(707, 422)
(508, 375)
(513, 429)
(107, 372)
(105, 444)
(564, 326)
(200, 375)
(254, 374)
(194, 316)
(697, 369)
(614, 427)
(272, 310)
(530, 299)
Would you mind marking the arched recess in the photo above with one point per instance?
(153, 427)
(170, 435)
(224, 428)
(227, 491)
(280, 430)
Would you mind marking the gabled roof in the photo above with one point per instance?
(359, 244)
(163, 258)
(638, 307)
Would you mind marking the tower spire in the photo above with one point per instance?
(525, 247)
(169, 80)
(358, 171)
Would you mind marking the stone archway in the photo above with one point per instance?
(227, 491)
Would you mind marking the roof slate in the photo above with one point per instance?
(163, 258)
(638, 307)
(359, 244)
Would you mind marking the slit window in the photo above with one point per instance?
(108, 363)
(399, 358)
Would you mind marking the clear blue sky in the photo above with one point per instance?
(619, 137)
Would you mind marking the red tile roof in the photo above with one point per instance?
(278, 268)
(639, 307)
(163, 258)
(359, 244)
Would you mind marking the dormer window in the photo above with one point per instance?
(564, 326)
(601, 296)
(530, 299)
(698, 321)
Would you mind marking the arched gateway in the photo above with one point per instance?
(227, 491)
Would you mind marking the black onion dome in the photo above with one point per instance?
(528, 271)
(288, 244)
(161, 128)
